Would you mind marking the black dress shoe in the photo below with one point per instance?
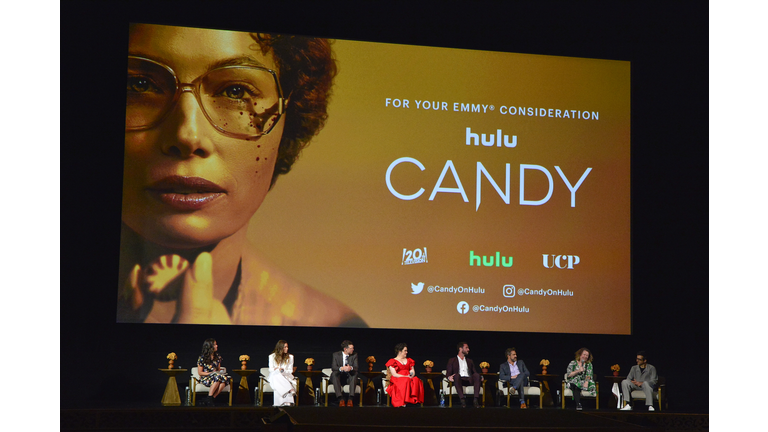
(476, 403)
(463, 403)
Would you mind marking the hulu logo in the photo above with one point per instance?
(491, 261)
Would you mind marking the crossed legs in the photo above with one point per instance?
(216, 388)
(519, 383)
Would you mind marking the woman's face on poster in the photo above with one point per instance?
(186, 184)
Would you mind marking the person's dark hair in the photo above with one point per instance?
(345, 344)
(399, 347)
(306, 69)
(208, 350)
(581, 350)
(509, 350)
(280, 356)
(460, 345)
(642, 353)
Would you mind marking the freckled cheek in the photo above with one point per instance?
(264, 159)
(254, 171)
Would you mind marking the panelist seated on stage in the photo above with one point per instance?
(281, 375)
(580, 375)
(344, 371)
(643, 377)
(210, 372)
(404, 387)
(461, 371)
(513, 373)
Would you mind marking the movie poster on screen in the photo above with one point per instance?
(460, 189)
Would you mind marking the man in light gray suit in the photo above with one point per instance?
(344, 365)
(643, 377)
(514, 374)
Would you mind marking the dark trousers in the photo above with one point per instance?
(576, 393)
(348, 378)
(474, 380)
(519, 383)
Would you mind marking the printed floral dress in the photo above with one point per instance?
(215, 376)
(580, 378)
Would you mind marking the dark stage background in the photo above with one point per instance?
(667, 45)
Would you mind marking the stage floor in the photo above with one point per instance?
(310, 418)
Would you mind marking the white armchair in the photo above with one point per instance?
(566, 391)
(529, 390)
(195, 386)
(264, 386)
(328, 387)
(657, 394)
(449, 389)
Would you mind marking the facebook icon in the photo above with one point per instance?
(462, 307)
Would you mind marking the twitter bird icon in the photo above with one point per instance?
(417, 287)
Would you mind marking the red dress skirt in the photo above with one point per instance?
(404, 390)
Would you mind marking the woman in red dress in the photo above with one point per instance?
(404, 386)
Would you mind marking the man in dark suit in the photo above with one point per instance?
(344, 366)
(514, 374)
(461, 371)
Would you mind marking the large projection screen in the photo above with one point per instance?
(449, 189)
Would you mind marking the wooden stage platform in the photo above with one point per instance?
(375, 418)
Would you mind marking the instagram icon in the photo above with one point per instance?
(509, 291)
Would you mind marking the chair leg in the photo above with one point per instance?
(597, 396)
(659, 392)
(562, 399)
(541, 393)
(230, 391)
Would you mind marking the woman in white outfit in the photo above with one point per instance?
(281, 374)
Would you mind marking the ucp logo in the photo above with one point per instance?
(560, 261)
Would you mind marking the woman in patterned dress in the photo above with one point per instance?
(580, 375)
(209, 369)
